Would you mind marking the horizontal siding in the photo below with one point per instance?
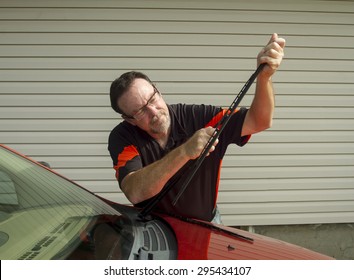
(57, 59)
(309, 149)
(92, 137)
(222, 100)
(194, 64)
(158, 39)
(323, 6)
(183, 75)
(175, 15)
(72, 112)
(98, 90)
(205, 26)
(222, 52)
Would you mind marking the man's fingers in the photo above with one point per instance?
(275, 43)
(273, 38)
(210, 130)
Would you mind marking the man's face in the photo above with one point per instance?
(144, 107)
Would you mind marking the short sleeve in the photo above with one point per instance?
(124, 154)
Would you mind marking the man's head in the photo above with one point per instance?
(122, 84)
(134, 96)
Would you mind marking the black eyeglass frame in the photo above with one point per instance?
(156, 91)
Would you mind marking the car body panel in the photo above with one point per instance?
(223, 245)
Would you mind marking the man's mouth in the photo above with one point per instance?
(157, 119)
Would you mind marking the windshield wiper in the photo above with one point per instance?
(193, 166)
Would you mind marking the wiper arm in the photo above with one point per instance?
(194, 165)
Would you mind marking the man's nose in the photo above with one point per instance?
(152, 108)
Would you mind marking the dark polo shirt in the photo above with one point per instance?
(132, 148)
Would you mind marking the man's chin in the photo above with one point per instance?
(160, 124)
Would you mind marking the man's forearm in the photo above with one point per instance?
(260, 114)
(149, 181)
(264, 102)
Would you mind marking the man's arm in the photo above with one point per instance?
(149, 180)
(260, 114)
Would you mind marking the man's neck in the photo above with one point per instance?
(162, 138)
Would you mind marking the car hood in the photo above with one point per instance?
(207, 241)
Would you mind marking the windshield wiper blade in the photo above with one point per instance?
(194, 165)
(218, 129)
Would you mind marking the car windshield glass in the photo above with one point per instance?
(45, 216)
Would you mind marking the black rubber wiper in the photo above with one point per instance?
(193, 166)
(214, 227)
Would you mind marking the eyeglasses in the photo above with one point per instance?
(142, 111)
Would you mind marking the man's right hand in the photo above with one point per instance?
(195, 145)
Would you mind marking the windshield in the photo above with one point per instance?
(44, 216)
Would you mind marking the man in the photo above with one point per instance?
(156, 140)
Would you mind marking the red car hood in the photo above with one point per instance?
(201, 242)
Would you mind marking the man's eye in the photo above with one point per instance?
(153, 100)
(141, 111)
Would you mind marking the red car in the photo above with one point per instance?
(46, 216)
